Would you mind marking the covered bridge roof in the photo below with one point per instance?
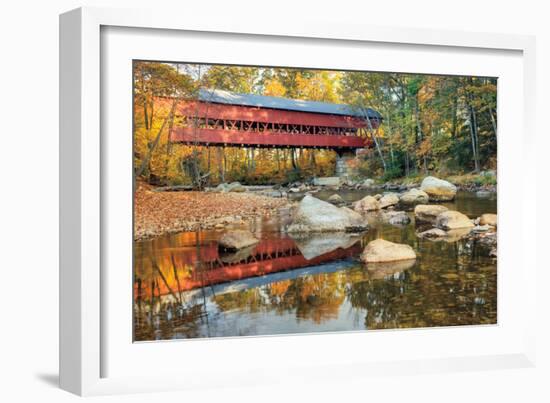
(263, 101)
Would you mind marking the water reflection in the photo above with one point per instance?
(185, 288)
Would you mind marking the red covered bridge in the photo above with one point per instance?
(230, 119)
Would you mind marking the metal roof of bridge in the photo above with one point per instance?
(263, 101)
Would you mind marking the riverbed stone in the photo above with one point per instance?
(389, 199)
(414, 196)
(488, 219)
(378, 271)
(449, 220)
(484, 193)
(327, 181)
(428, 212)
(368, 183)
(314, 215)
(432, 233)
(381, 250)
(438, 189)
(396, 217)
(367, 203)
(236, 187)
(237, 239)
(336, 199)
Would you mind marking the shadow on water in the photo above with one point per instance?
(185, 288)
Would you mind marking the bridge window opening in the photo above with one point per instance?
(261, 127)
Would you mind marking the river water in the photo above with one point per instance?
(185, 288)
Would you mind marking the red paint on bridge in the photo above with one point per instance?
(190, 135)
(209, 123)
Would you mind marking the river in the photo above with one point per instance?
(185, 288)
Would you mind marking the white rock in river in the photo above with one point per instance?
(453, 220)
(389, 199)
(428, 212)
(414, 196)
(368, 203)
(336, 199)
(488, 219)
(381, 250)
(314, 215)
(396, 217)
(438, 189)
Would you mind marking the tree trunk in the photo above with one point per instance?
(221, 157)
(493, 122)
(473, 137)
(154, 145)
(373, 134)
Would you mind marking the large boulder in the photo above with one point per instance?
(414, 196)
(488, 219)
(367, 183)
(221, 188)
(389, 199)
(327, 181)
(381, 250)
(237, 239)
(314, 215)
(428, 212)
(438, 189)
(235, 187)
(368, 203)
(449, 220)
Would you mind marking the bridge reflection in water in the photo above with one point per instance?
(185, 268)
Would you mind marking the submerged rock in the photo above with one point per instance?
(432, 233)
(381, 250)
(368, 203)
(488, 219)
(390, 199)
(237, 239)
(437, 234)
(449, 220)
(314, 215)
(484, 193)
(414, 196)
(396, 217)
(438, 189)
(428, 212)
(237, 256)
(379, 271)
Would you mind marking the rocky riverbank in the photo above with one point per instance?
(158, 213)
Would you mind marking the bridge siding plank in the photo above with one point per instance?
(265, 115)
(190, 135)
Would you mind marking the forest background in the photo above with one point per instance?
(439, 125)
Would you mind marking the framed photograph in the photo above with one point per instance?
(230, 193)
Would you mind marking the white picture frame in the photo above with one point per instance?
(87, 322)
